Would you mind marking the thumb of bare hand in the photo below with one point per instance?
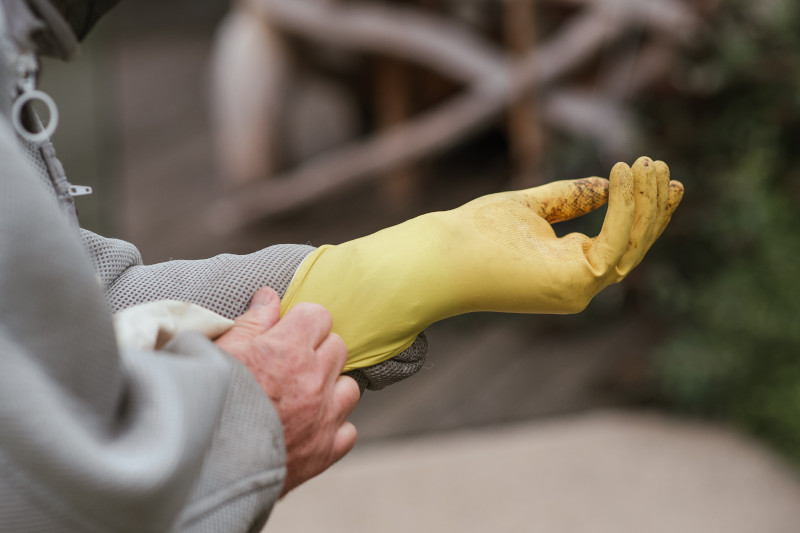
(263, 313)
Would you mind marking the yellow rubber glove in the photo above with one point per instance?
(496, 253)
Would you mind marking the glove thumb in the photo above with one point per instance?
(564, 200)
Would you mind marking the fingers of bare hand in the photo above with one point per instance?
(265, 308)
(263, 313)
(645, 216)
(308, 321)
(264, 297)
(346, 395)
(332, 354)
(609, 246)
(568, 199)
(344, 441)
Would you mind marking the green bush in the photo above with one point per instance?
(728, 273)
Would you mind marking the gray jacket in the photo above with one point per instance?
(93, 439)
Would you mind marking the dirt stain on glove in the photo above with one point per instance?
(582, 197)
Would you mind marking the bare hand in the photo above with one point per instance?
(298, 362)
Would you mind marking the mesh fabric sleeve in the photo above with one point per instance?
(224, 284)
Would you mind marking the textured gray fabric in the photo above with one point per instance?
(224, 284)
(398, 368)
(110, 257)
(236, 491)
(60, 183)
(33, 157)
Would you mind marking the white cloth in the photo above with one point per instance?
(152, 325)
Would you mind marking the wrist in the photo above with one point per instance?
(381, 290)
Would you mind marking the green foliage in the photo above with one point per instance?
(729, 275)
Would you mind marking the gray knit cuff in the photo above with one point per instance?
(396, 369)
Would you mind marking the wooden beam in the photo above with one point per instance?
(494, 81)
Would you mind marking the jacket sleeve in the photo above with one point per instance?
(96, 440)
(224, 284)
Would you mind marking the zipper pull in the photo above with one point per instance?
(79, 190)
(27, 66)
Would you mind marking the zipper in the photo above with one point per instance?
(25, 67)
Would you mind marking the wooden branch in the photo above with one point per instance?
(524, 124)
(494, 81)
(639, 69)
(251, 67)
(434, 132)
(442, 45)
(673, 17)
(393, 106)
(585, 113)
(450, 49)
(439, 44)
(437, 130)
(571, 48)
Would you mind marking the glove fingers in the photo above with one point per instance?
(662, 191)
(674, 199)
(564, 200)
(645, 217)
(611, 243)
(662, 182)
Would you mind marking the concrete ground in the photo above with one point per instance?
(612, 472)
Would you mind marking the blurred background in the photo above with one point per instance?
(206, 128)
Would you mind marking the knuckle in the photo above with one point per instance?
(337, 344)
(278, 345)
(311, 308)
(353, 396)
(316, 313)
(289, 349)
(349, 388)
(316, 389)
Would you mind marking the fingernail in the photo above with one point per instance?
(262, 298)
